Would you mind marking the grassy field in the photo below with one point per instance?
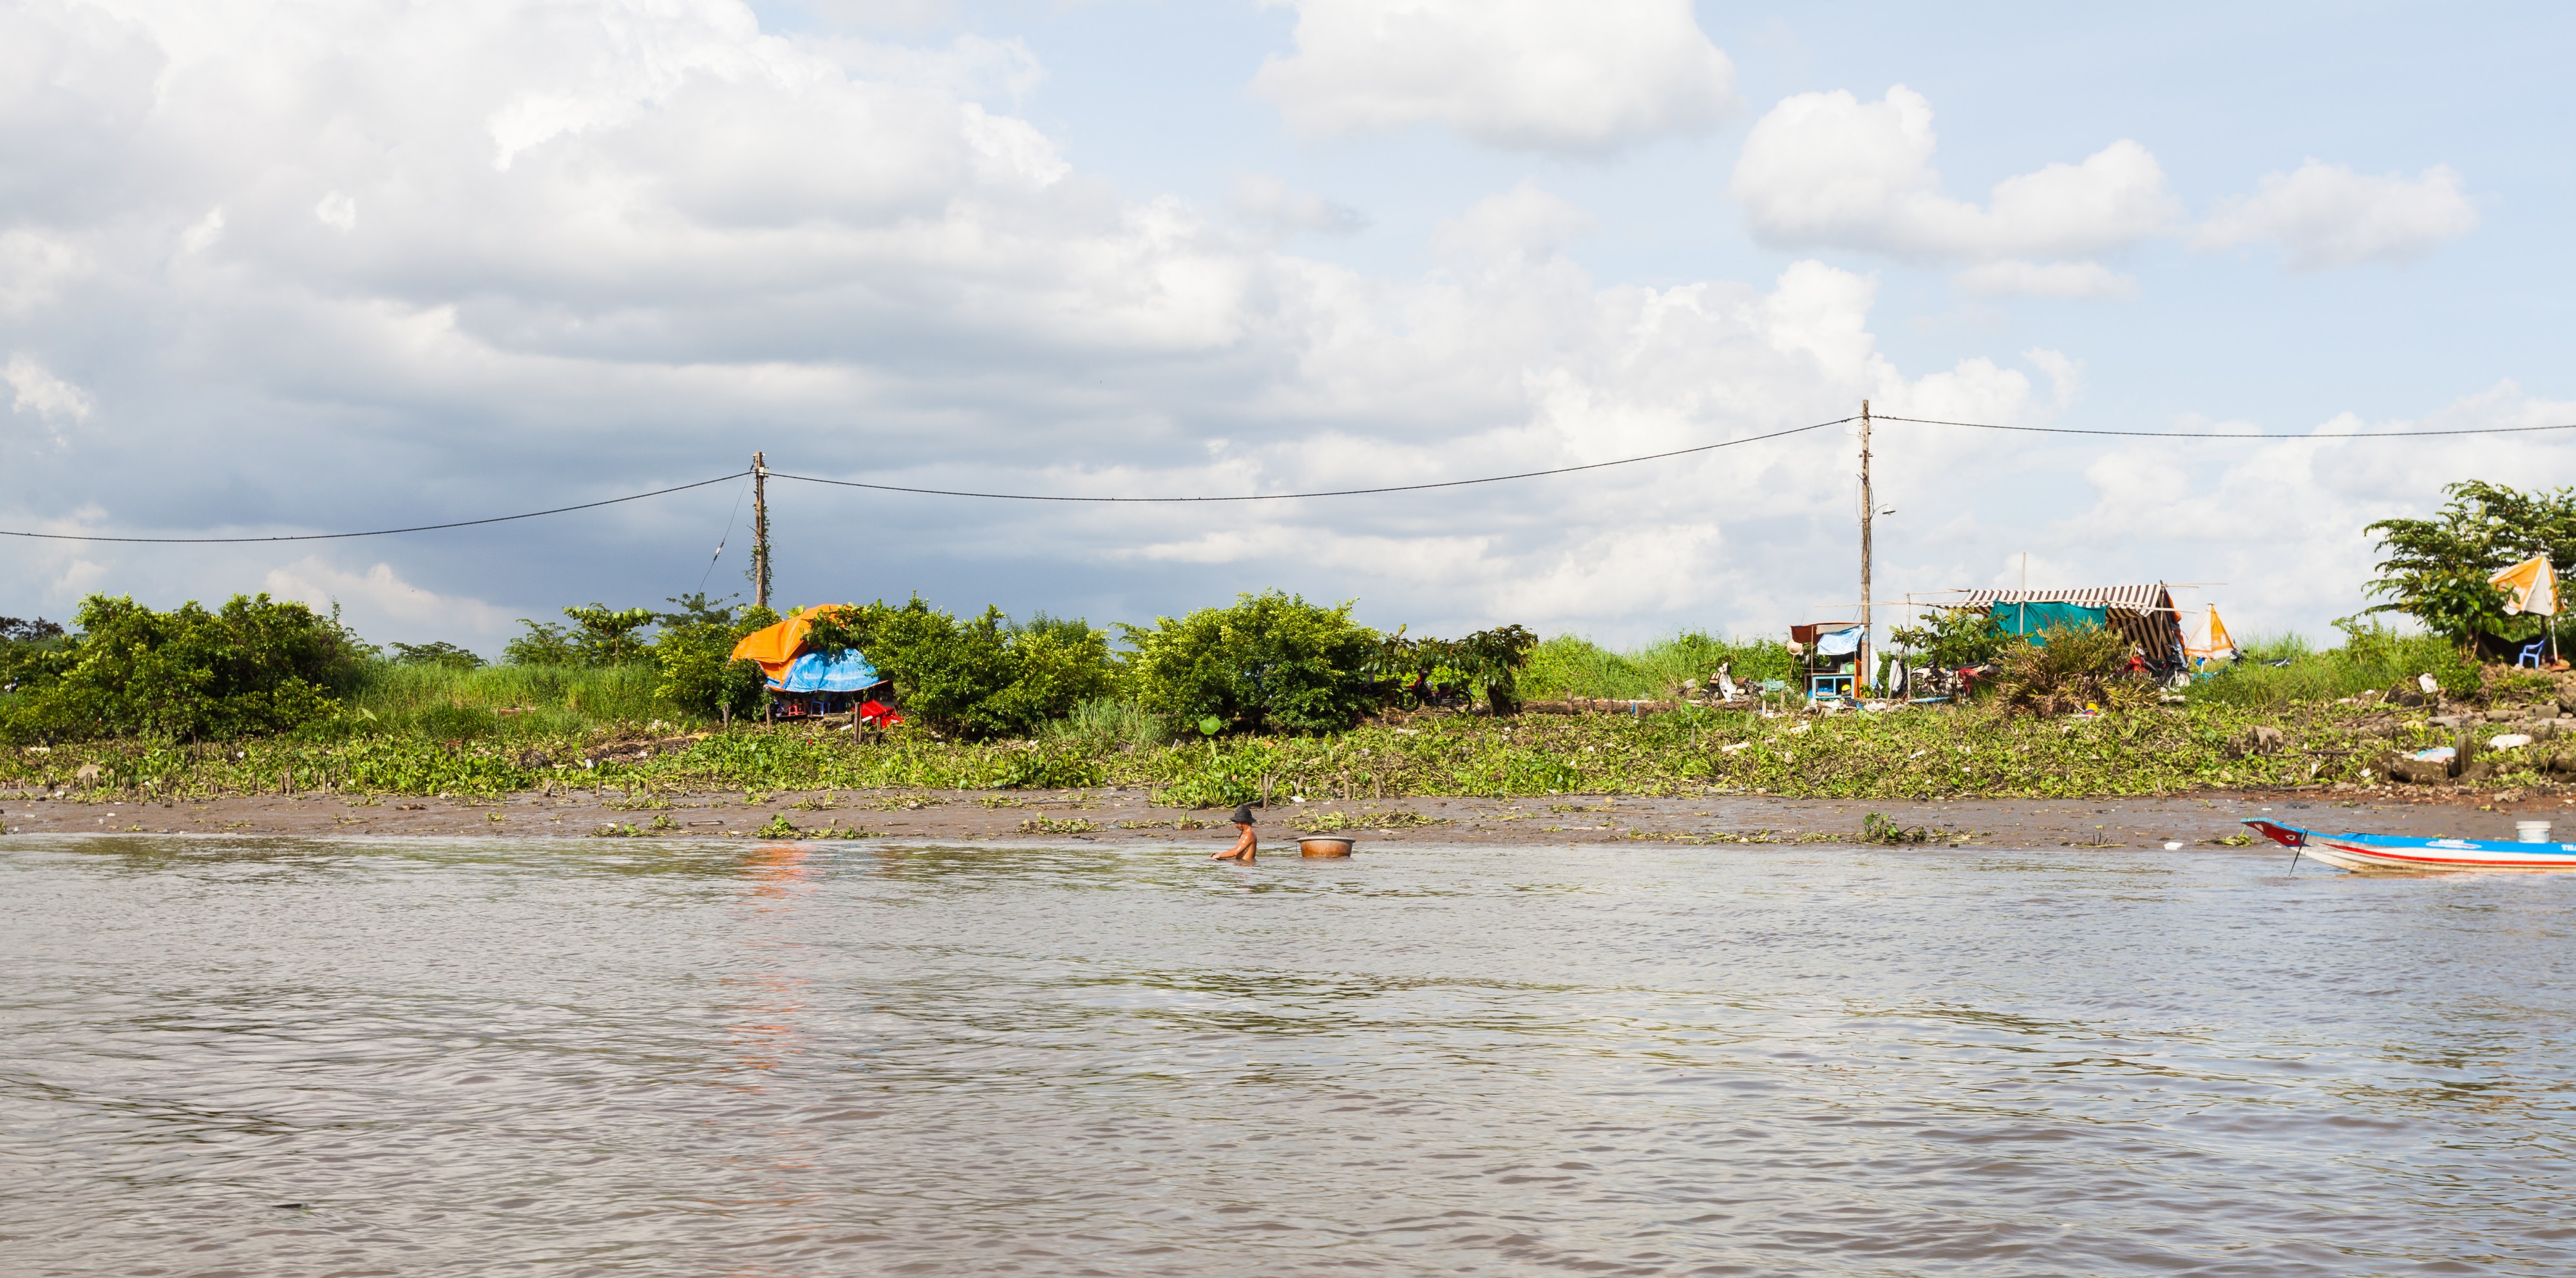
(544, 701)
(1568, 665)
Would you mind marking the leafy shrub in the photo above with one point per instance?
(255, 666)
(1272, 662)
(542, 645)
(988, 677)
(1488, 660)
(695, 654)
(2069, 669)
(1953, 638)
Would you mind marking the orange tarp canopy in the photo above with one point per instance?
(775, 646)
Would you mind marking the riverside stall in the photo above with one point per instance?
(1828, 653)
(804, 682)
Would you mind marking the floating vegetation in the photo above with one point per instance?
(1327, 822)
(1058, 825)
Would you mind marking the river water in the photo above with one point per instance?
(301, 1057)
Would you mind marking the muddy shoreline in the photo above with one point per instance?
(1129, 816)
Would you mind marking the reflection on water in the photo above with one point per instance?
(280, 1057)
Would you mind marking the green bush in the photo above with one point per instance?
(1271, 663)
(255, 666)
(1953, 638)
(695, 655)
(988, 677)
(2070, 668)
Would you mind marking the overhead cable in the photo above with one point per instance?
(1336, 492)
(377, 532)
(2211, 434)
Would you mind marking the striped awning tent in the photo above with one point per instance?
(2144, 613)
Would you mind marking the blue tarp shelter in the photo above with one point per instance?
(814, 672)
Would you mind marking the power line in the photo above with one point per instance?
(2202, 434)
(379, 532)
(1337, 492)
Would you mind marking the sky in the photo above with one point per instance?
(282, 268)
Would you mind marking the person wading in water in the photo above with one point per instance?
(1245, 845)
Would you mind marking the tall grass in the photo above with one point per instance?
(464, 704)
(2371, 657)
(1572, 666)
(1107, 724)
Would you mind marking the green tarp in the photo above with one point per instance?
(2035, 619)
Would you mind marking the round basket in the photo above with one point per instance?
(1323, 847)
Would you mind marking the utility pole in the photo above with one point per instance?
(1868, 508)
(759, 532)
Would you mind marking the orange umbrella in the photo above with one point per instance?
(2533, 586)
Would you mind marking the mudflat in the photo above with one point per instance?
(2200, 819)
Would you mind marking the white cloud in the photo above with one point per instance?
(1530, 75)
(864, 261)
(2047, 279)
(36, 390)
(33, 268)
(1266, 202)
(1824, 170)
(379, 595)
(2325, 215)
(337, 211)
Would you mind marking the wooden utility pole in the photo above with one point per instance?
(760, 532)
(1868, 508)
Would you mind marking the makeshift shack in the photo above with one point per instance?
(802, 681)
(2145, 614)
(1828, 652)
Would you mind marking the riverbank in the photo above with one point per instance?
(2206, 820)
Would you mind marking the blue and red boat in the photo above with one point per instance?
(2391, 852)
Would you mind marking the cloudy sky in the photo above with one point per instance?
(294, 266)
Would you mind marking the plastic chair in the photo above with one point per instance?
(2531, 654)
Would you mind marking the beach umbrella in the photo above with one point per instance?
(2533, 588)
(2205, 637)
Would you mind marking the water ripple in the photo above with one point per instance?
(281, 1057)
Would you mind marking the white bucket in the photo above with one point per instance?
(2531, 831)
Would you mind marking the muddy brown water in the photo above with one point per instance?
(231, 1055)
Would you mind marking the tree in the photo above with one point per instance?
(1271, 662)
(442, 654)
(2435, 570)
(543, 645)
(981, 678)
(254, 666)
(695, 652)
(1954, 638)
(599, 636)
